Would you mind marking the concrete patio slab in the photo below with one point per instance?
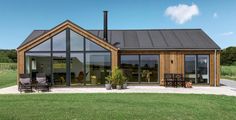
(223, 90)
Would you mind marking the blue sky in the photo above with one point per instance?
(216, 17)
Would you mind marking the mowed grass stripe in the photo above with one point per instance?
(117, 106)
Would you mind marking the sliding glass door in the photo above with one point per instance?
(140, 68)
(197, 68)
(130, 66)
(149, 68)
(203, 69)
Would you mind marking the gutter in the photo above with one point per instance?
(168, 49)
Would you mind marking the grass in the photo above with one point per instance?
(117, 106)
(228, 72)
(7, 78)
(7, 66)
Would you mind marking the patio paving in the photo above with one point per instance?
(222, 90)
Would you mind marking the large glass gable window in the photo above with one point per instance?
(91, 46)
(70, 60)
(59, 42)
(45, 46)
(76, 41)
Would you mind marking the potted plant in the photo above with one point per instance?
(119, 78)
(124, 86)
(116, 78)
(108, 82)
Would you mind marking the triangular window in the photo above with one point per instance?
(91, 46)
(45, 46)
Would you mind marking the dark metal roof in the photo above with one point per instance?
(151, 38)
(33, 35)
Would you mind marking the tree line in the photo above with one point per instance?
(8, 56)
(228, 56)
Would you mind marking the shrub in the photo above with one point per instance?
(117, 77)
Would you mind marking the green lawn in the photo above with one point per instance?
(7, 78)
(228, 72)
(117, 106)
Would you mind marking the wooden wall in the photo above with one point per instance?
(173, 62)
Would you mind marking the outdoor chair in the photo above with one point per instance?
(42, 83)
(169, 80)
(179, 81)
(25, 83)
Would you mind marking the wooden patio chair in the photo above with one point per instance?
(179, 80)
(169, 80)
(25, 83)
(42, 83)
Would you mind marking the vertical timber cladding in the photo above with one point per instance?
(212, 69)
(171, 62)
(20, 63)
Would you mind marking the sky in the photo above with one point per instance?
(18, 18)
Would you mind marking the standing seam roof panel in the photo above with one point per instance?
(171, 39)
(117, 36)
(198, 41)
(157, 39)
(131, 39)
(186, 41)
(144, 40)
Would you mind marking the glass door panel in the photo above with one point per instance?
(38, 63)
(203, 69)
(98, 66)
(77, 68)
(190, 68)
(149, 68)
(130, 66)
(59, 68)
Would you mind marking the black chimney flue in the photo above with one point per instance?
(105, 26)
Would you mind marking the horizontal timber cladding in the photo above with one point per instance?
(173, 61)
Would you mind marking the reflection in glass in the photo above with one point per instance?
(190, 70)
(77, 68)
(91, 46)
(203, 69)
(129, 64)
(149, 68)
(98, 66)
(76, 41)
(38, 63)
(59, 68)
(45, 46)
(59, 42)
(197, 68)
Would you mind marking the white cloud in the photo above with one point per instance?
(182, 13)
(227, 33)
(215, 15)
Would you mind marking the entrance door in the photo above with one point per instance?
(197, 68)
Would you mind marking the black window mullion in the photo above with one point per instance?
(51, 61)
(68, 74)
(84, 53)
(139, 68)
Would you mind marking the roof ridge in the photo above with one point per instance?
(143, 29)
